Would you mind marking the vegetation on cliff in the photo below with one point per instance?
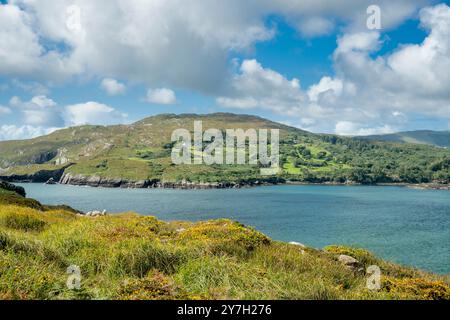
(129, 256)
(124, 154)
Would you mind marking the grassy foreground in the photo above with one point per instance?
(129, 256)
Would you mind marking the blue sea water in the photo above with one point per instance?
(403, 225)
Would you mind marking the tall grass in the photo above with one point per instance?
(128, 256)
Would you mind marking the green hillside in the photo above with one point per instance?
(434, 138)
(138, 155)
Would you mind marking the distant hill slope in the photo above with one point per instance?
(435, 138)
(138, 155)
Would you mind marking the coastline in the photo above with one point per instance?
(98, 182)
(60, 176)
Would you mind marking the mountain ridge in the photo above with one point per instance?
(429, 137)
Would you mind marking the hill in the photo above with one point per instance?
(434, 138)
(138, 155)
(133, 257)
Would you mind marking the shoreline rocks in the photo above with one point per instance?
(50, 181)
(62, 177)
(11, 187)
(96, 181)
(41, 176)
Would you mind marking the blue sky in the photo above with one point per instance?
(309, 64)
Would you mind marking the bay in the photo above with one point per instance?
(403, 225)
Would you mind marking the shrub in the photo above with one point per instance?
(224, 236)
(155, 286)
(417, 288)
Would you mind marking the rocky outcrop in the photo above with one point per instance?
(38, 176)
(51, 181)
(97, 181)
(349, 262)
(10, 187)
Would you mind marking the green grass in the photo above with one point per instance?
(128, 256)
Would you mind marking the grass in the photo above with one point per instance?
(129, 256)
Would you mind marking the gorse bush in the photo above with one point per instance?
(417, 288)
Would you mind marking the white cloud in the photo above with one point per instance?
(369, 93)
(112, 86)
(161, 96)
(187, 44)
(410, 80)
(4, 110)
(315, 26)
(42, 115)
(21, 53)
(13, 132)
(92, 113)
(258, 87)
(348, 128)
(326, 85)
(39, 111)
(184, 44)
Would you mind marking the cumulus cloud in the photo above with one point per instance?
(39, 111)
(183, 44)
(409, 80)
(13, 132)
(42, 115)
(188, 44)
(369, 93)
(161, 96)
(326, 84)
(21, 53)
(112, 86)
(259, 87)
(92, 113)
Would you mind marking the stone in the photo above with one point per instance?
(349, 262)
(51, 181)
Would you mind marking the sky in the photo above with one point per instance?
(322, 66)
